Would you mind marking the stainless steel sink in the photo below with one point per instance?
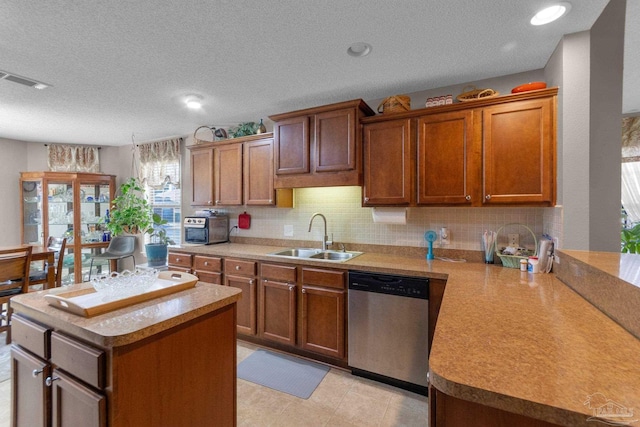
(316, 254)
(297, 252)
(335, 255)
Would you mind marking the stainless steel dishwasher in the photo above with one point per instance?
(389, 329)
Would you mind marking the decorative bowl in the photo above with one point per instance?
(126, 283)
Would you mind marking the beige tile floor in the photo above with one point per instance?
(341, 399)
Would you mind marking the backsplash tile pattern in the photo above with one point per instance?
(349, 222)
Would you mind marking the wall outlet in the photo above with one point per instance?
(288, 231)
(445, 236)
(514, 240)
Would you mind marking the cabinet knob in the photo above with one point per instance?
(36, 372)
(217, 202)
(291, 287)
(50, 381)
(251, 282)
(366, 199)
(208, 202)
(488, 197)
(467, 197)
(206, 263)
(304, 291)
(270, 201)
(237, 267)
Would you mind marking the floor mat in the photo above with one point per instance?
(281, 372)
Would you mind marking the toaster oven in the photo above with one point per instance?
(206, 230)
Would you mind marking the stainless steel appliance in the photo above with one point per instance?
(388, 329)
(206, 230)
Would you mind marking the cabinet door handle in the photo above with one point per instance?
(251, 282)
(50, 381)
(217, 202)
(291, 287)
(304, 291)
(366, 199)
(488, 197)
(208, 202)
(36, 372)
(467, 197)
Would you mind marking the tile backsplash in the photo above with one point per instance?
(349, 222)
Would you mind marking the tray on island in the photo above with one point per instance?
(89, 302)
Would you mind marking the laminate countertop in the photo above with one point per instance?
(526, 343)
(128, 324)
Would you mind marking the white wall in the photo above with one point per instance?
(587, 67)
(14, 155)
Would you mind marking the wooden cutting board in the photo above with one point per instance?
(88, 302)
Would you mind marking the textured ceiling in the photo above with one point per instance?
(119, 68)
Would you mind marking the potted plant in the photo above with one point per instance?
(157, 248)
(130, 210)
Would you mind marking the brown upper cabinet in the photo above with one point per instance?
(319, 147)
(500, 151)
(233, 172)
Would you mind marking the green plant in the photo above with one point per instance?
(158, 234)
(630, 239)
(130, 210)
(243, 129)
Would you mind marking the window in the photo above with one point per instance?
(160, 173)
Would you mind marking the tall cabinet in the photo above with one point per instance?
(71, 205)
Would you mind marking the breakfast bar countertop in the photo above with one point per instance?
(526, 343)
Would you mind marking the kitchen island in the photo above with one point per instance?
(167, 361)
(508, 345)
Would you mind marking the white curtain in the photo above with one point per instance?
(631, 167)
(158, 161)
(631, 190)
(73, 158)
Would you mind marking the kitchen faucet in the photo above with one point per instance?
(325, 239)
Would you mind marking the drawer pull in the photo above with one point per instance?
(36, 372)
(206, 263)
(237, 268)
(50, 381)
(178, 259)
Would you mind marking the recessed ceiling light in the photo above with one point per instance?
(550, 13)
(194, 102)
(359, 49)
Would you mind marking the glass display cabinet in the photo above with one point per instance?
(71, 205)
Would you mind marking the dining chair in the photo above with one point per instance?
(59, 245)
(14, 280)
(120, 247)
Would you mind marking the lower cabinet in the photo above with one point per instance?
(208, 269)
(57, 381)
(322, 321)
(241, 274)
(448, 411)
(277, 296)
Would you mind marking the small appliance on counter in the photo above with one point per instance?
(206, 229)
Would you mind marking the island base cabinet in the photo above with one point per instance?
(30, 395)
(75, 404)
(448, 411)
(185, 376)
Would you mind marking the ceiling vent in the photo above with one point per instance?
(22, 80)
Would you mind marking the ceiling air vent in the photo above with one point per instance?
(22, 80)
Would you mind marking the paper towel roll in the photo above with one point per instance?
(389, 215)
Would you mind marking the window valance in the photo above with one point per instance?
(73, 158)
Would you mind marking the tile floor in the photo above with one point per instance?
(341, 399)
